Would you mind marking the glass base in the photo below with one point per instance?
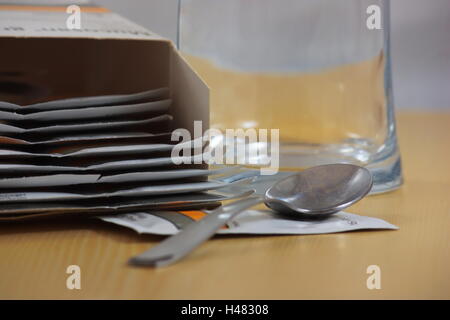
(385, 165)
(387, 175)
(387, 171)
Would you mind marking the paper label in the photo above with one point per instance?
(249, 222)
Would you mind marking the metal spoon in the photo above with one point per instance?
(314, 193)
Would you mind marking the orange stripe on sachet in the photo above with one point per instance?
(196, 215)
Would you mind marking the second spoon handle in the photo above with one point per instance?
(179, 245)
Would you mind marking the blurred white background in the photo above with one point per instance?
(420, 44)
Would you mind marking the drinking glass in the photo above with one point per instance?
(317, 70)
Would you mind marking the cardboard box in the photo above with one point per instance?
(41, 59)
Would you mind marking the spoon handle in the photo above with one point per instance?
(179, 245)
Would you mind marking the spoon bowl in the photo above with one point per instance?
(319, 191)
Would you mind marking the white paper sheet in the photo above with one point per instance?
(255, 222)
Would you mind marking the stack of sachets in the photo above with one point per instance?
(95, 155)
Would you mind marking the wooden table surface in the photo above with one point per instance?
(414, 261)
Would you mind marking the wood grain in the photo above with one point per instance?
(414, 261)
